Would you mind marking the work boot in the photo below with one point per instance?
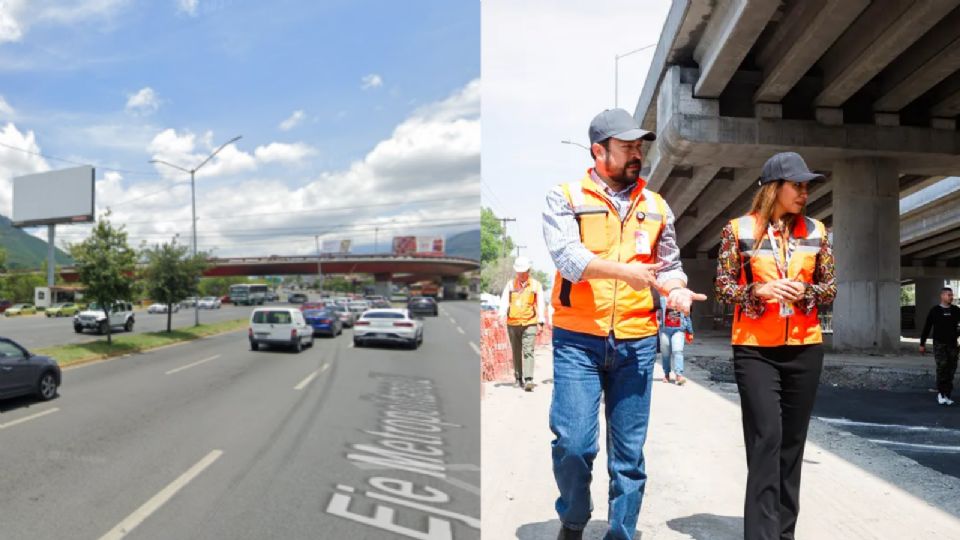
(569, 534)
(528, 386)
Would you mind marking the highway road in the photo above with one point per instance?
(34, 331)
(212, 440)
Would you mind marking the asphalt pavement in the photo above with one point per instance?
(211, 440)
(909, 423)
(35, 331)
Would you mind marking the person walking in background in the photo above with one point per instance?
(522, 309)
(776, 266)
(943, 320)
(611, 240)
(676, 328)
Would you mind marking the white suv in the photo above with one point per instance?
(93, 318)
(279, 326)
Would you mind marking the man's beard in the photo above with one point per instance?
(623, 177)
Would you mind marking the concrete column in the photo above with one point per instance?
(381, 284)
(866, 243)
(449, 287)
(701, 273)
(927, 295)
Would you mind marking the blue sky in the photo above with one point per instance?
(116, 83)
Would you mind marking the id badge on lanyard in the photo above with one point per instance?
(783, 265)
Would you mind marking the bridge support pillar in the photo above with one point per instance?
(927, 295)
(866, 243)
(382, 284)
(449, 284)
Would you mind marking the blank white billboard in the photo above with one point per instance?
(64, 196)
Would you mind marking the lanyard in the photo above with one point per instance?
(783, 265)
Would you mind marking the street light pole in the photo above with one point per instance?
(193, 205)
(616, 71)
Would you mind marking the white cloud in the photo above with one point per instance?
(6, 111)
(18, 156)
(145, 101)
(17, 16)
(371, 81)
(188, 6)
(433, 155)
(292, 121)
(284, 153)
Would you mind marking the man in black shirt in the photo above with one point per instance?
(943, 319)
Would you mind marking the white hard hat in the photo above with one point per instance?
(521, 264)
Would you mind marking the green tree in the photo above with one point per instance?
(172, 274)
(105, 264)
(492, 243)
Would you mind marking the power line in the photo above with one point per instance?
(72, 162)
(315, 210)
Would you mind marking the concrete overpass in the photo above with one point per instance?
(867, 91)
(385, 268)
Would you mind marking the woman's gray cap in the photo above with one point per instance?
(787, 166)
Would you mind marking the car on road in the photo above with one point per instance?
(312, 305)
(423, 304)
(63, 309)
(271, 296)
(324, 321)
(381, 304)
(20, 309)
(24, 373)
(225, 299)
(281, 326)
(190, 301)
(209, 302)
(93, 318)
(4, 304)
(162, 308)
(346, 316)
(388, 326)
(297, 298)
(358, 306)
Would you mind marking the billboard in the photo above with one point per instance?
(417, 245)
(430, 244)
(335, 246)
(64, 196)
(404, 245)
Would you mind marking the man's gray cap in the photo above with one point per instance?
(619, 124)
(787, 166)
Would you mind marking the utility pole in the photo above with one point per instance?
(503, 242)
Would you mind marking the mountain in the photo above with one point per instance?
(25, 251)
(465, 244)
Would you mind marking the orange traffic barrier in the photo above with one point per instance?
(495, 355)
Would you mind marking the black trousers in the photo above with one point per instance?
(778, 386)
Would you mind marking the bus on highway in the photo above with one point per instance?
(248, 294)
(426, 288)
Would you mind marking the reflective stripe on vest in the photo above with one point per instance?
(523, 304)
(759, 266)
(599, 306)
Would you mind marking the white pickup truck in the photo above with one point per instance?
(93, 318)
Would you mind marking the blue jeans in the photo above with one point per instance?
(671, 351)
(585, 368)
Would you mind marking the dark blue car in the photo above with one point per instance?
(324, 322)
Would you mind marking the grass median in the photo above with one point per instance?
(79, 353)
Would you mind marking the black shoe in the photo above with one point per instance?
(569, 534)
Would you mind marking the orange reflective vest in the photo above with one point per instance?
(599, 306)
(523, 303)
(759, 266)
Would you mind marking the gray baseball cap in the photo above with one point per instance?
(619, 124)
(787, 166)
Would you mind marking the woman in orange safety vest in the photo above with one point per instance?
(776, 265)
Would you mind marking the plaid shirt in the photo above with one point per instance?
(562, 235)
